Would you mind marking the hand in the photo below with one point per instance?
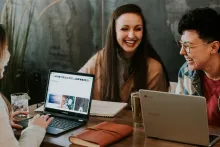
(41, 121)
(13, 121)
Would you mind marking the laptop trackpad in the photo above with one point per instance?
(52, 130)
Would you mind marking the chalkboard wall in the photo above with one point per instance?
(71, 31)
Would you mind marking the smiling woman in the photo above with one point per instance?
(128, 61)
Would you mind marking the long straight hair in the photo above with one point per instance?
(3, 42)
(110, 86)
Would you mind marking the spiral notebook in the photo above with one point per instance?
(100, 108)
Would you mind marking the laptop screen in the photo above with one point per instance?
(69, 92)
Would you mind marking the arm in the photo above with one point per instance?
(31, 136)
(156, 77)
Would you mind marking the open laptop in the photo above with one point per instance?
(68, 100)
(180, 118)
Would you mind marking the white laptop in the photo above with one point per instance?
(173, 117)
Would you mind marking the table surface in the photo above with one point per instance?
(138, 138)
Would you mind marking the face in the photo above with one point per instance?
(4, 62)
(198, 55)
(129, 32)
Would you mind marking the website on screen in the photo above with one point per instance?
(69, 92)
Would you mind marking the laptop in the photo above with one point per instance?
(180, 118)
(68, 100)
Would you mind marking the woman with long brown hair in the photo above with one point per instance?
(33, 135)
(128, 61)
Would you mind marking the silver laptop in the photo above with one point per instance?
(175, 117)
(68, 100)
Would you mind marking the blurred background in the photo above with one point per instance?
(64, 34)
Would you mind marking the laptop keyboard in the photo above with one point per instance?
(63, 123)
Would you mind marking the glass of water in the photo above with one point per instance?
(19, 102)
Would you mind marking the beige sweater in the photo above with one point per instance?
(32, 136)
(155, 80)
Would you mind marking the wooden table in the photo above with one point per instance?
(124, 117)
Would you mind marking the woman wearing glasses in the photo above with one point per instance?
(200, 42)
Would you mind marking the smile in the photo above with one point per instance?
(130, 42)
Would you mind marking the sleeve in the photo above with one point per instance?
(156, 77)
(31, 136)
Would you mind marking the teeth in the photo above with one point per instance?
(130, 42)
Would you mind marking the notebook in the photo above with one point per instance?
(106, 108)
(101, 135)
(68, 100)
(101, 108)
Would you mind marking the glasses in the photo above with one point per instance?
(187, 47)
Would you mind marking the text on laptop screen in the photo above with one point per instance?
(69, 92)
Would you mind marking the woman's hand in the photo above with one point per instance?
(13, 121)
(41, 120)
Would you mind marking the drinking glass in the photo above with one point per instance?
(136, 109)
(19, 102)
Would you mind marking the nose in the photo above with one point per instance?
(131, 34)
(182, 51)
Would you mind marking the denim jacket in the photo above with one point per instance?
(189, 82)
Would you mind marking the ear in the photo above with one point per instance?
(214, 47)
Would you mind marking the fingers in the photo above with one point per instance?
(15, 120)
(19, 112)
(16, 126)
(49, 120)
(45, 117)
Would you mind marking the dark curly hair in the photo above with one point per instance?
(205, 21)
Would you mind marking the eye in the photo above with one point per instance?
(124, 29)
(138, 29)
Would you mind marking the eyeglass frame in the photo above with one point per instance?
(188, 48)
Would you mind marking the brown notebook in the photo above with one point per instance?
(101, 135)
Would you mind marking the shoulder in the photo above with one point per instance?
(2, 103)
(155, 77)
(155, 69)
(93, 62)
(97, 56)
(154, 65)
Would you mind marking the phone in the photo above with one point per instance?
(24, 122)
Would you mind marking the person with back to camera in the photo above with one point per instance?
(200, 42)
(128, 61)
(33, 135)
